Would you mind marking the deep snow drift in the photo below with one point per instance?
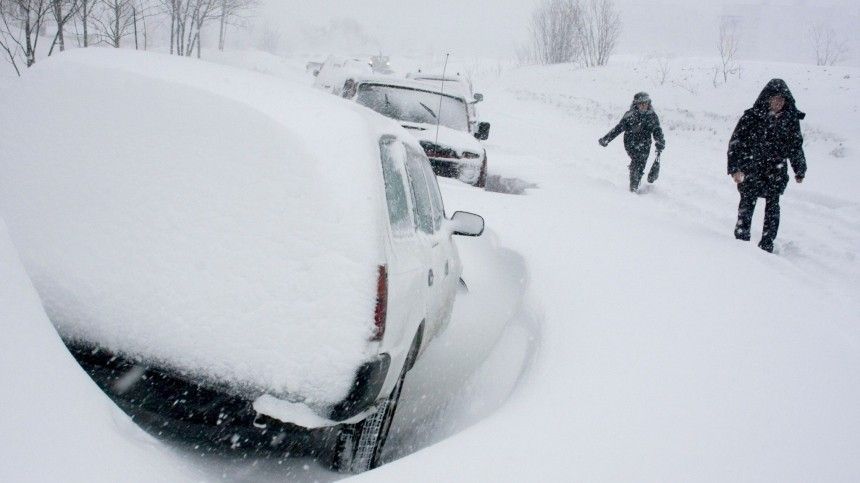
(166, 209)
(58, 424)
(636, 338)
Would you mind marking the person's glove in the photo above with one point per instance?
(660, 147)
(603, 142)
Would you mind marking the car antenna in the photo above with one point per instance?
(441, 93)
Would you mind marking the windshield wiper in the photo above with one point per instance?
(428, 110)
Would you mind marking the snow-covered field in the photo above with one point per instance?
(666, 350)
(606, 336)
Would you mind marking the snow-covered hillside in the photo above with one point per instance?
(609, 336)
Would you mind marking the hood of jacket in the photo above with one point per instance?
(776, 87)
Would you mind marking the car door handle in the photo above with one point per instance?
(430, 278)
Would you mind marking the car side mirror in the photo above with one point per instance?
(478, 97)
(466, 224)
(483, 131)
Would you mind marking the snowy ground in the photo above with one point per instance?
(666, 350)
(58, 424)
(610, 336)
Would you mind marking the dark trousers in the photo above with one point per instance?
(771, 219)
(637, 169)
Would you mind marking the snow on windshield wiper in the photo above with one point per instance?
(428, 109)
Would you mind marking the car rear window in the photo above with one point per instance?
(393, 155)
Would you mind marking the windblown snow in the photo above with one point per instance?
(606, 336)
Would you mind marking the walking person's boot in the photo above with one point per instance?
(745, 214)
(771, 224)
(637, 169)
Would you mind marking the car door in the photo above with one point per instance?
(444, 253)
(428, 230)
(408, 293)
(440, 274)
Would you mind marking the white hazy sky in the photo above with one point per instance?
(774, 29)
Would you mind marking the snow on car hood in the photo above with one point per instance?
(459, 141)
(197, 217)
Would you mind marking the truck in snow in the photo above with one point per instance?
(450, 137)
(440, 120)
(463, 86)
(256, 280)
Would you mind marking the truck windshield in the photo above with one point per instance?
(413, 105)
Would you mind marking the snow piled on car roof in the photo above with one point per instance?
(218, 222)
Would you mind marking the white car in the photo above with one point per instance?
(454, 83)
(331, 74)
(238, 265)
(449, 137)
(440, 120)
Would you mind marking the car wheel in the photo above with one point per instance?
(359, 446)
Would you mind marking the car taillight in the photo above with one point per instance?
(381, 302)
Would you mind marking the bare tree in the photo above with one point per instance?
(8, 41)
(84, 12)
(63, 11)
(662, 65)
(20, 24)
(206, 10)
(117, 19)
(187, 19)
(114, 20)
(231, 12)
(553, 30)
(828, 49)
(730, 38)
(574, 30)
(599, 29)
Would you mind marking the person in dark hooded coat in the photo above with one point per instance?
(765, 140)
(639, 125)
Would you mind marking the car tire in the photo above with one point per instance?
(358, 447)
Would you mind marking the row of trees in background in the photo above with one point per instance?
(828, 48)
(189, 17)
(562, 31)
(587, 31)
(25, 23)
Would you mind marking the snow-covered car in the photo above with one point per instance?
(458, 84)
(450, 137)
(440, 120)
(332, 74)
(230, 264)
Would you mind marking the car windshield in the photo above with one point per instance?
(413, 105)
